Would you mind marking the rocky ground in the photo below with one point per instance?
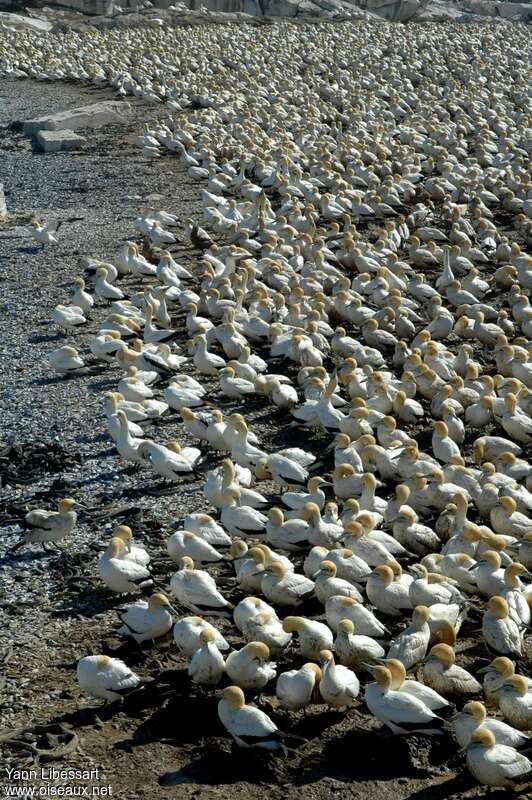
(166, 739)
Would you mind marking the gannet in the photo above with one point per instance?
(388, 596)
(70, 318)
(312, 636)
(515, 701)
(401, 683)
(327, 584)
(250, 667)
(495, 764)
(207, 664)
(147, 620)
(399, 711)
(285, 588)
(45, 527)
(501, 633)
(207, 528)
(474, 716)
(355, 650)
(65, 359)
(186, 543)
(366, 623)
(120, 575)
(410, 646)
(339, 685)
(196, 589)
(296, 688)
(248, 726)
(187, 632)
(106, 678)
(132, 551)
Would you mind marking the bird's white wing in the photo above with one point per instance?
(136, 618)
(300, 456)
(252, 722)
(118, 676)
(407, 709)
(132, 571)
(510, 762)
(297, 584)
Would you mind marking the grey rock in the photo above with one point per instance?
(93, 116)
(54, 141)
(3, 206)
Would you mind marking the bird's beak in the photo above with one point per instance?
(370, 668)
(174, 610)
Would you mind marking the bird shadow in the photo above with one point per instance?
(19, 559)
(39, 338)
(455, 786)
(30, 251)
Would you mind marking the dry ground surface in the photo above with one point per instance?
(166, 740)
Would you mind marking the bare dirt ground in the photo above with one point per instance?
(164, 741)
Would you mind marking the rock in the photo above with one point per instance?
(93, 116)
(21, 21)
(53, 141)
(3, 207)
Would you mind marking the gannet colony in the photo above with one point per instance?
(313, 384)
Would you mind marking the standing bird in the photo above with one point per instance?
(339, 686)
(49, 527)
(399, 711)
(411, 645)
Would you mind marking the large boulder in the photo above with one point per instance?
(93, 116)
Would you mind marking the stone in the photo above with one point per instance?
(54, 141)
(21, 21)
(93, 116)
(3, 207)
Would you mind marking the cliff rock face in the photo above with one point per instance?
(392, 10)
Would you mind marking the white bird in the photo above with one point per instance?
(354, 649)
(147, 620)
(65, 359)
(366, 623)
(339, 686)
(495, 764)
(250, 667)
(187, 632)
(207, 664)
(442, 674)
(45, 527)
(399, 711)
(410, 646)
(120, 575)
(285, 588)
(186, 543)
(474, 716)
(248, 725)
(313, 636)
(296, 687)
(70, 318)
(106, 678)
(196, 589)
(501, 633)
